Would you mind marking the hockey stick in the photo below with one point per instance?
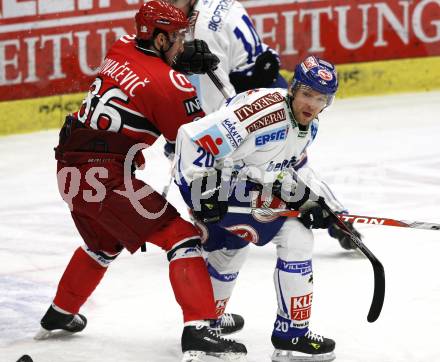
(379, 272)
(358, 219)
(218, 83)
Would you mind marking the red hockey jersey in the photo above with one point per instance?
(136, 93)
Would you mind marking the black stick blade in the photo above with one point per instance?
(379, 291)
(25, 358)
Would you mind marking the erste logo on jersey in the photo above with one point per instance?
(278, 134)
(213, 141)
(181, 82)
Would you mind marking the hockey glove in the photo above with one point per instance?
(169, 150)
(314, 216)
(264, 73)
(196, 58)
(344, 239)
(205, 195)
(293, 194)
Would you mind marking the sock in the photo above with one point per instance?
(192, 288)
(81, 277)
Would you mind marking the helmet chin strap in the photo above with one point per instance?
(162, 52)
(289, 101)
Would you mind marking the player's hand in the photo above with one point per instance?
(208, 205)
(196, 58)
(267, 66)
(314, 216)
(294, 194)
(169, 150)
(344, 239)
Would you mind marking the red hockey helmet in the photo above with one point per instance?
(156, 14)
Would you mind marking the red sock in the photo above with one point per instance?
(78, 282)
(192, 288)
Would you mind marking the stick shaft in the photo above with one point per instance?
(218, 83)
(358, 219)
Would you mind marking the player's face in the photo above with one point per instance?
(307, 104)
(176, 48)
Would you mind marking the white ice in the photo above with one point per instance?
(381, 155)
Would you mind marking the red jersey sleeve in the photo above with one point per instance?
(178, 104)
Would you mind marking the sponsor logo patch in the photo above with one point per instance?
(271, 136)
(212, 141)
(279, 166)
(258, 105)
(232, 134)
(245, 232)
(220, 306)
(192, 106)
(180, 81)
(310, 63)
(325, 74)
(267, 120)
(300, 307)
(215, 23)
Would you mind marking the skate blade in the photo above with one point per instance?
(199, 356)
(290, 356)
(43, 334)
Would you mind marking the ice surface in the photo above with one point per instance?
(381, 156)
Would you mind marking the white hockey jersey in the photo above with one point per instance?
(228, 30)
(255, 136)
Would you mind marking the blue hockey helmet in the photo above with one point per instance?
(317, 74)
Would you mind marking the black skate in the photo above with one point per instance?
(58, 324)
(309, 348)
(201, 341)
(229, 323)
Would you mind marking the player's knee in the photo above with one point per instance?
(295, 241)
(103, 258)
(186, 248)
(225, 264)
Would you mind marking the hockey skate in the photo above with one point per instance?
(309, 348)
(229, 323)
(202, 344)
(57, 324)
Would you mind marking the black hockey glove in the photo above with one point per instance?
(266, 69)
(344, 239)
(314, 216)
(264, 73)
(196, 58)
(169, 149)
(294, 199)
(206, 198)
